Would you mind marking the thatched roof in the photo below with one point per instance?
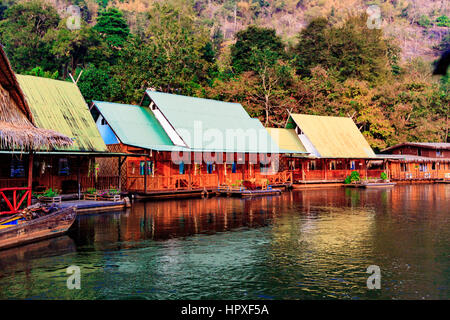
(17, 130)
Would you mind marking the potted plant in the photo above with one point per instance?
(384, 177)
(110, 195)
(354, 177)
(50, 196)
(90, 194)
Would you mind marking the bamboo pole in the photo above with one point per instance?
(30, 176)
(79, 178)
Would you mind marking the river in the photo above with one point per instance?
(311, 244)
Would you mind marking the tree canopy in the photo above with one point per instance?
(332, 67)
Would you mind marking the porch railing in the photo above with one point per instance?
(14, 198)
(419, 175)
(12, 182)
(333, 175)
(174, 182)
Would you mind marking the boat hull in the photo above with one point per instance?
(52, 225)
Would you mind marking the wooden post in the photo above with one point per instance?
(79, 178)
(365, 163)
(145, 175)
(119, 171)
(30, 177)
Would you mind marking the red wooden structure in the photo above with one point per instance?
(17, 199)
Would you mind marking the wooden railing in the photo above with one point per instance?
(102, 183)
(276, 178)
(174, 182)
(232, 178)
(419, 175)
(12, 182)
(17, 196)
(187, 182)
(333, 175)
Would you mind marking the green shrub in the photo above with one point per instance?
(91, 191)
(424, 21)
(443, 21)
(383, 176)
(113, 191)
(50, 193)
(354, 176)
(348, 180)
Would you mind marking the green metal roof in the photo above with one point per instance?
(135, 126)
(211, 125)
(59, 105)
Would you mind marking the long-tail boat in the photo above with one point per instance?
(18, 230)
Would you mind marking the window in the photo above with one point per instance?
(17, 169)
(403, 167)
(312, 165)
(438, 153)
(209, 167)
(433, 166)
(352, 165)
(234, 167)
(423, 168)
(419, 152)
(181, 167)
(142, 167)
(333, 165)
(291, 165)
(264, 167)
(63, 167)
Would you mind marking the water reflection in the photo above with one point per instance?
(310, 244)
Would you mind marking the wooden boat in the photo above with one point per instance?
(243, 192)
(22, 232)
(370, 185)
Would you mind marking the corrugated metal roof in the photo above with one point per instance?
(334, 137)
(287, 139)
(211, 125)
(431, 145)
(59, 105)
(411, 158)
(136, 126)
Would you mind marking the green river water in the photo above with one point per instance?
(312, 244)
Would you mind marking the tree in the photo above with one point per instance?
(180, 46)
(352, 50)
(273, 76)
(97, 84)
(76, 47)
(39, 72)
(312, 47)
(113, 27)
(23, 34)
(254, 38)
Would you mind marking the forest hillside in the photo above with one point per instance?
(325, 57)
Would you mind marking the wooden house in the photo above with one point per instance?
(418, 161)
(190, 144)
(19, 139)
(58, 107)
(334, 147)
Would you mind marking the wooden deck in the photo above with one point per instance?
(370, 185)
(174, 194)
(89, 206)
(249, 193)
